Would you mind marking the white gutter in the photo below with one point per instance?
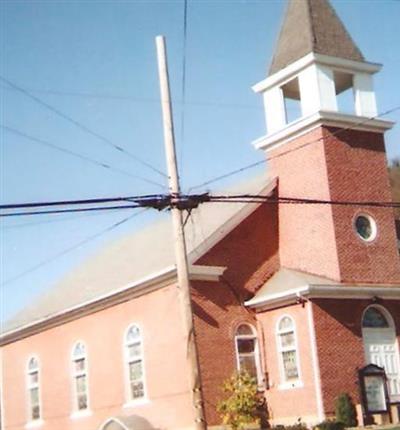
(325, 291)
(147, 284)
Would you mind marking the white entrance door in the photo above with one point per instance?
(381, 348)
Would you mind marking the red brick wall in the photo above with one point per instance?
(251, 254)
(357, 171)
(320, 239)
(340, 345)
(306, 232)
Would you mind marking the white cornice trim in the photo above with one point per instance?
(206, 273)
(322, 118)
(145, 285)
(339, 64)
(324, 291)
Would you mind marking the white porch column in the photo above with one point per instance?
(365, 101)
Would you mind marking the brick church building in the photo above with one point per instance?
(301, 295)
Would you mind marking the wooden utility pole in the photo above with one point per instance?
(179, 237)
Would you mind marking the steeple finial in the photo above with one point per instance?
(312, 26)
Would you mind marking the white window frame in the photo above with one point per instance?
(287, 383)
(130, 401)
(33, 422)
(75, 374)
(260, 379)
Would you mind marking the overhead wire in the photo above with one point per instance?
(142, 198)
(257, 163)
(183, 89)
(167, 201)
(255, 198)
(138, 99)
(76, 154)
(71, 248)
(63, 211)
(51, 221)
(82, 126)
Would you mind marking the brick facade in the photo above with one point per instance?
(250, 253)
(340, 344)
(320, 239)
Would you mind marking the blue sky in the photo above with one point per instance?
(96, 62)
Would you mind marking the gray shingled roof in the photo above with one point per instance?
(312, 26)
(131, 422)
(285, 280)
(134, 257)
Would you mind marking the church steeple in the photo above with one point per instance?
(312, 26)
(315, 62)
(320, 148)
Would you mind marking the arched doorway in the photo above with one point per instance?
(381, 346)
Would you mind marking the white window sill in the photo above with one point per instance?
(34, 424)
(290, 385)
(81, 414)
(135, 403)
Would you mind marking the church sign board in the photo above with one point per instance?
(373, 387)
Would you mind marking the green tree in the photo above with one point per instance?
(345, 410)
(240, 407)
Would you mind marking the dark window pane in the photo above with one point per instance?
(248, 363)
(35, 412)
(137, 389)
(82, 401)
(245, 345)
(373, 317)
(364, 227)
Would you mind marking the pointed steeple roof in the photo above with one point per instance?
(312, 26)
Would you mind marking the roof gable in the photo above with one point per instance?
(312, 26)
(134, 260)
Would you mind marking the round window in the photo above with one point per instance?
(365, 227)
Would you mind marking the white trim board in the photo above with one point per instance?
(315, 291)
(144, 286)
(306, 124)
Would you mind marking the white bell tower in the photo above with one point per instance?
(316, 61)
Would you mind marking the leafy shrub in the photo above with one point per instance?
(240, 407)
(345, 410)
(330, 425)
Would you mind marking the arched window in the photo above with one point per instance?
(374, 318)
(287, 349)
(134, 363)
(33, 389)
(80, 377)
(247, 352)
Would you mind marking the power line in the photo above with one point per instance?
(51, 221)
(71, 248)
(62, 211)
(107, 96)
(81, 126)
(183, 93)
(254, 198)
(76, 154)
(252, 165)
(136, 199)
(183, 202)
